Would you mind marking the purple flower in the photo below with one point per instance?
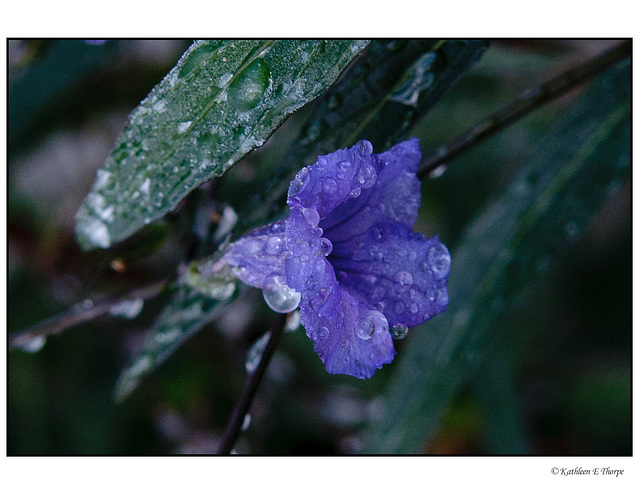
(347, 254)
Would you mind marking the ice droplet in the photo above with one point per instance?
(278, 295)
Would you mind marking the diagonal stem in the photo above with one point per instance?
(80, 313)
(253, 381)
(528, 101)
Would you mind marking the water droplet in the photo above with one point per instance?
(413, 308)
(326, 246)
(440, 261)
(403, 278)
(320, 299)
(254, 354)
(34, 344)
(127, 309)
(438, 171)
(299, 182)
(372, 323)
(355, 192)
(330, 186)
(366, 176)
(278, 295)
(310, 283)
(344, 342)
(399, 331)
(441, 297)
(293, 322)
(246, 422)
(377, 293)
(311, 216)
(274, 245)
(366, 147)
(398, 307)
(323, 333)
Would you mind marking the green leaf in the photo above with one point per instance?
(222, 99)
(187, 312)
(387, 90)
(582, 160)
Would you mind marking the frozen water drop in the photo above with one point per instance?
(278, 295)
(399, 331)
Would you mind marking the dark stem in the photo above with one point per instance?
(80, 313)
(253, 381)
(528, 101)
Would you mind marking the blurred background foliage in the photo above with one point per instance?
(566, 359)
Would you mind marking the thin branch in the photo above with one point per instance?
(80, 313)
(528, 101)
(253, 381)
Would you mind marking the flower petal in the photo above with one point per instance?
(395, 195)
(400, 273)
(355, 340)
(259, 254)
(350, 337)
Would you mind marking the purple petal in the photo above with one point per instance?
(395, 195)
(355, 340)
(350, 337)
(400, 273)
(259, 254)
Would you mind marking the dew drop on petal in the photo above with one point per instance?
(326, 246)
(440, 261)
(403, 278)
(398, 308)
(366, 176)
(274, 245)
(441, 297)
(323, 333)
(355, 192)
(399, 331)
(372, 323)
(311, 216)
(278, 295)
